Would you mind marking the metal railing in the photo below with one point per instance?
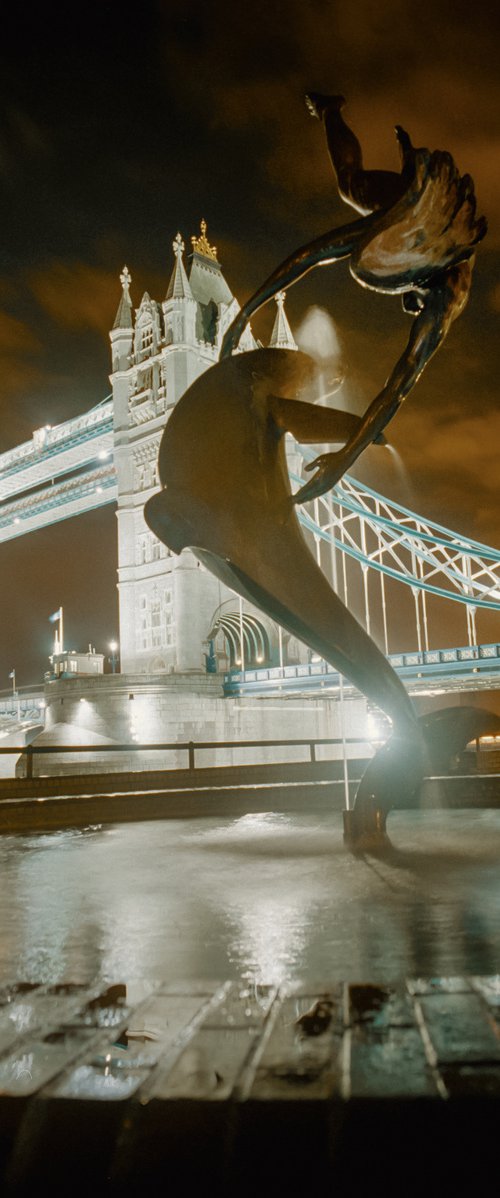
(190, 747)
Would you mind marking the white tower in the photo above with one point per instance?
(169, 605)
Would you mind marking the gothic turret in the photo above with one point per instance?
(282, 336)
(179, 306)
(121, 335)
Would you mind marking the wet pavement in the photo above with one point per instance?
(230, 1089)
(243, 1005)
(267, 898)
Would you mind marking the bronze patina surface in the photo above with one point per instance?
(416, 238)
(227, 496)
(225, 487)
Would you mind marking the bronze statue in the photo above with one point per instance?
(225, 486)
(416, 238)
(226, 495)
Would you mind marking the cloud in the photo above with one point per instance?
(19, 368)
(80, 297)
(453, 463)
(15, 336)
(435, 72)
(77, 295)
(22, 142)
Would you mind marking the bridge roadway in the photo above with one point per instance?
(475, 667)
(61, 472)
(472, 666)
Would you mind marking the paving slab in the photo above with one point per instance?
(230, 1082)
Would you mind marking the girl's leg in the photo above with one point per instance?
(367, 191)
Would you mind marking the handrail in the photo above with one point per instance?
(30, 751)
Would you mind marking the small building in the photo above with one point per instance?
(70, 664)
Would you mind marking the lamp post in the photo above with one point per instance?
(15, 694)
(113, 658)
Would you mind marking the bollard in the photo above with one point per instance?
(29, 761)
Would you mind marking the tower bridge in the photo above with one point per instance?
(170, 609)
(61, 472)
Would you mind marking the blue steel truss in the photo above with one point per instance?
(476, 665)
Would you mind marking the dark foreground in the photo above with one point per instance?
(125, 1069)
(225, 1089)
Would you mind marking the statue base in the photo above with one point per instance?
(365, 832)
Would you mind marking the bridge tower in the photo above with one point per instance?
(166, 602)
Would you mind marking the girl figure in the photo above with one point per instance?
(416, 237)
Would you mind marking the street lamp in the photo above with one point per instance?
(113, 658)
(15, 694)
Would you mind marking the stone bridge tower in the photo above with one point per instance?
(167, 602)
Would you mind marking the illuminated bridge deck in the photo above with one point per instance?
(261, 1089)
(479, 665)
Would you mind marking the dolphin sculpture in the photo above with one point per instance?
(226, 492)
(226, 495)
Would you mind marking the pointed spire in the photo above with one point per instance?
(282, 336)
(124, 318)
(178, 287)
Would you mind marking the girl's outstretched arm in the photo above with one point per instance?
(330, 247)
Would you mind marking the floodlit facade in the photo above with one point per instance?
(175, 617)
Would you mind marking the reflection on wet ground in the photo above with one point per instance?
(269, 898)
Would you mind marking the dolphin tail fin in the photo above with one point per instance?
(394, 776)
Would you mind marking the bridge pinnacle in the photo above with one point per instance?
(125, 278)
(178, 287)
(124, 318)
(281, 336)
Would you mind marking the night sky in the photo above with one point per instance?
(117, 130)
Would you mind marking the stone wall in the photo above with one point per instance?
(137, 709)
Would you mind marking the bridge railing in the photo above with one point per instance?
(312, 755)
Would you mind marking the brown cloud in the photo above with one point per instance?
(453, 465)
(433, 69)
(18, 370)
(15, 336)
(79, 297)
(22, 141)
(76, 295)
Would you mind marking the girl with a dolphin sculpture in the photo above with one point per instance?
(226, 492)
